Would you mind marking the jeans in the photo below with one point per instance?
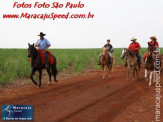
(139, 58)
(46, 57)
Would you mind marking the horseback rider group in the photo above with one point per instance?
(134, 47)
(105, 58)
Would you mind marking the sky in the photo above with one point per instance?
(117, 20)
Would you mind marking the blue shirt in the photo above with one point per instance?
(43, 43)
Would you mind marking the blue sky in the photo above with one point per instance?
(118, 20)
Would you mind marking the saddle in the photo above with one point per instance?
(42, 56)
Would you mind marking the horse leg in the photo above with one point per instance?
(138, 70)
(49, 73)
(40, 76)
(128, 72)
(134, 69)
(150, 78)
(104, 69)
(109, 68)
(31, 76)
(146, 73)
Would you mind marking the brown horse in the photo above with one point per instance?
(105, 61)
(131, 61)
(149, 64)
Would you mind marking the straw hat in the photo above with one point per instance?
(133, 39)
(154, 37)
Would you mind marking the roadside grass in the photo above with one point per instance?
(14, 63)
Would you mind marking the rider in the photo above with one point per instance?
(109, 48)
(134, 47)
(152, 43)
(43, 44)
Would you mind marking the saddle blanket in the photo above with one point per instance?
(50, 56)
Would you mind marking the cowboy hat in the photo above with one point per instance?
(154, 37)
(42, 34)
(133, 39)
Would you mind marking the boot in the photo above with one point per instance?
(99, 60)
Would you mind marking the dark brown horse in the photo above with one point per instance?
(105, 61)
(37, 65)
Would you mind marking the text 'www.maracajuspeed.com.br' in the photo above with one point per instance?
(45, 16)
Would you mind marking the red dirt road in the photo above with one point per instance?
(88, 98)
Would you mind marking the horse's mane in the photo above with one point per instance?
(130, 53)
(150, 58)
(104, 50)
(35, 53)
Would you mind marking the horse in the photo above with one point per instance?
(131, 61)
(37, 65)
(149, 64)
(105, 61)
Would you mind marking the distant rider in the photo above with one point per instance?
(153, 43)
(134, 47)
(109, 48)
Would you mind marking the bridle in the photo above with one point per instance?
(32, 52)
(124, 53)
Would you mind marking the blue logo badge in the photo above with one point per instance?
(17, 112)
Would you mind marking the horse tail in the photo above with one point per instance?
(54, 66)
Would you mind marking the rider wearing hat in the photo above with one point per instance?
(134, 47)
(109, 48)
(153, 43)
(43, 44)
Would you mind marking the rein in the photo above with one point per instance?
(35, 57)
(130, 53)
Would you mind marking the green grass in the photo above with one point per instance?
(14, 63)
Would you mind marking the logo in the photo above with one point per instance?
(17, 112)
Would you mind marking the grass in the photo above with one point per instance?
(14, 63)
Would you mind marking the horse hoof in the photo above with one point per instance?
(35, 83)
(55, 80)
(49, 83)
(146, 79)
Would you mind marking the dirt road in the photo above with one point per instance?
(88, 98)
